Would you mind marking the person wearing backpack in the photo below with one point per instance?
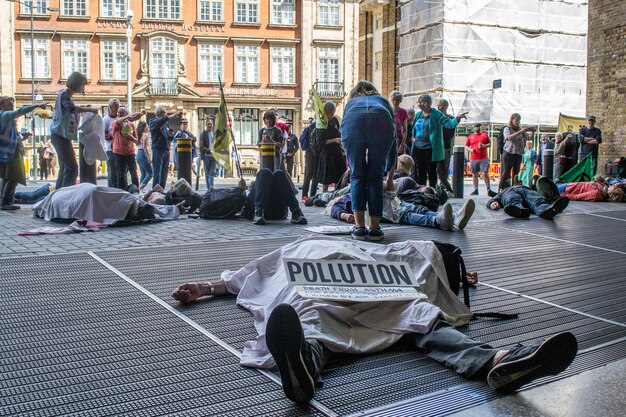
(512, 151)
(310, 161)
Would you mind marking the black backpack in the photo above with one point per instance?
(222, 203)
(616, 168)
(316, 140)
(500, 140)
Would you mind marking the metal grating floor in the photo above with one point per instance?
(77, 339)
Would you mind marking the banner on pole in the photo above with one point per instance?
(223, 137)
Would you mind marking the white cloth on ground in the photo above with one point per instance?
(90, 202)
(358, 327)
(92, 138)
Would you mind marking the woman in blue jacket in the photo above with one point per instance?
(427, 148)
(368, 136)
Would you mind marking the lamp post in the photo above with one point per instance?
(129, 35)
(31, 7)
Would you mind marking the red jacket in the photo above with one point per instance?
(586, 191)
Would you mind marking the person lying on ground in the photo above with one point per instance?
(519, 201)
(103, 205)
(397, 211)
(298, 334)
(32, 197)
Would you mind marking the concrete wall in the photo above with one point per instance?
(606, 75)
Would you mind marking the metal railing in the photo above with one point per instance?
(330, 89)
(163, 86)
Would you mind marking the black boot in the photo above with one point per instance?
(259, 217)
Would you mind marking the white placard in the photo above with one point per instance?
(358, 294)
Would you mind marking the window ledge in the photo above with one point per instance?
(328, 27)
(37, 80)
(155, 20)
(111, 18)
(207, 83)
(68, 17)
(249, 85)
(35, 16)
(247, 24)
(274, 85)
(64, 80)
(210, 22)
(106, 81)
(281, 26)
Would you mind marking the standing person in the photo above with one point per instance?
(544, 144)
(311, 161)
(11, 151)
(289, 149)
(443, 166)
(367, 134)
(52, 162)
(43, 160)
(114, 105)
(161, 136)
(332, 164)
(206, 142)
(64, 129)
(400, 118)
(428, 147)
(514, 137)
(477, 144)
(271, 134)
(184, 133)
(144, 156)
(409, 131)
(529, 158)
(590, 137)
(124, 140)
(560, 154)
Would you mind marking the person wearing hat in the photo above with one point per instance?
(477, 144)
(405, 166)
(590, 137)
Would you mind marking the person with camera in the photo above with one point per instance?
(514, 138)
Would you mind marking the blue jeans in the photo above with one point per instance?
(209, 171)
(525, 198)
(68, 167)
(144, 168)
(367, 135)
(272, 193)
(160, 166)
(31, 197)
(416, 215)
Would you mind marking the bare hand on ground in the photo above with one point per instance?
(188, 293)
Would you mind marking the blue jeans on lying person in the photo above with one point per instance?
(31, 197)
(416, 215)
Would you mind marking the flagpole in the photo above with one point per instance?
(237, 162)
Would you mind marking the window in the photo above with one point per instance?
(247, 64)
(246, 126)
(210, 62)
(40, 6)
(282, 65)
(378, 61)
(163, 78)
(162, 9)
(328, 12)
(42, 61)
(74, 8)
(246, 11)
(282, 12)
(329, 64)
(113, 59)
(113, 8)
(211, 11)
(75, 56)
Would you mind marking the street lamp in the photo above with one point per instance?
(129, 35)
(31, 7)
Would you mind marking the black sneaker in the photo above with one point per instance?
(526, 363)
(491, 193)
(10, 207)
(318, 202)
(297, 217)
(555, 208)
(310, 201)
(475, 192)
(514, 211)
(358, 233)
(375, 235)
(259, 218)
(285, 341)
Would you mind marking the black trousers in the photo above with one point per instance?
(424, 166)
(509, 168)
(125, 164)
(310, 174)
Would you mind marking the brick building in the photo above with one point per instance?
(6, 51)
(606, 75)
(268, 54)
(379, 43)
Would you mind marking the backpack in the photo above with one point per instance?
(222, 203)
(305, 141)
(316, 141)
(616, 168)
(501, 140)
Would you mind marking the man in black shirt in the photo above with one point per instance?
(590, 137)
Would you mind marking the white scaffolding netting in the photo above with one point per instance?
(457, 48)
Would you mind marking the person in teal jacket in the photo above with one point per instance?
(427, 148)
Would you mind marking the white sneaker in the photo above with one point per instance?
(444, 217)
(464, 214)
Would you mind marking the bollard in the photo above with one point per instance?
(268, 150)
(458, 170)
(87, 173)
(547, 162)
(183, 150)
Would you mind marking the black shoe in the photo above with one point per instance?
(285, 341)
(555, 208)
(318, 202)
(259, 217)
(309, 202)
(491, 193)
(358, 233)
(475, 192)
(10, 207)
(297, 217)
(375, 235)
(526, 363)
(548, 189)
(514, 211)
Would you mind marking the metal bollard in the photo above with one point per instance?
(547, 163)
(87, 173)
(458, 169)
(183, 149)
(267, 160)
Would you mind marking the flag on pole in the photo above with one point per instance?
(320, 117)
(581, 172)
(223, 137)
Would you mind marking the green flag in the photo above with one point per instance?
(320, 117)
(581, 172)
(223, 137)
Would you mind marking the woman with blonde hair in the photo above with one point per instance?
(65, 127)
(513, 150)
